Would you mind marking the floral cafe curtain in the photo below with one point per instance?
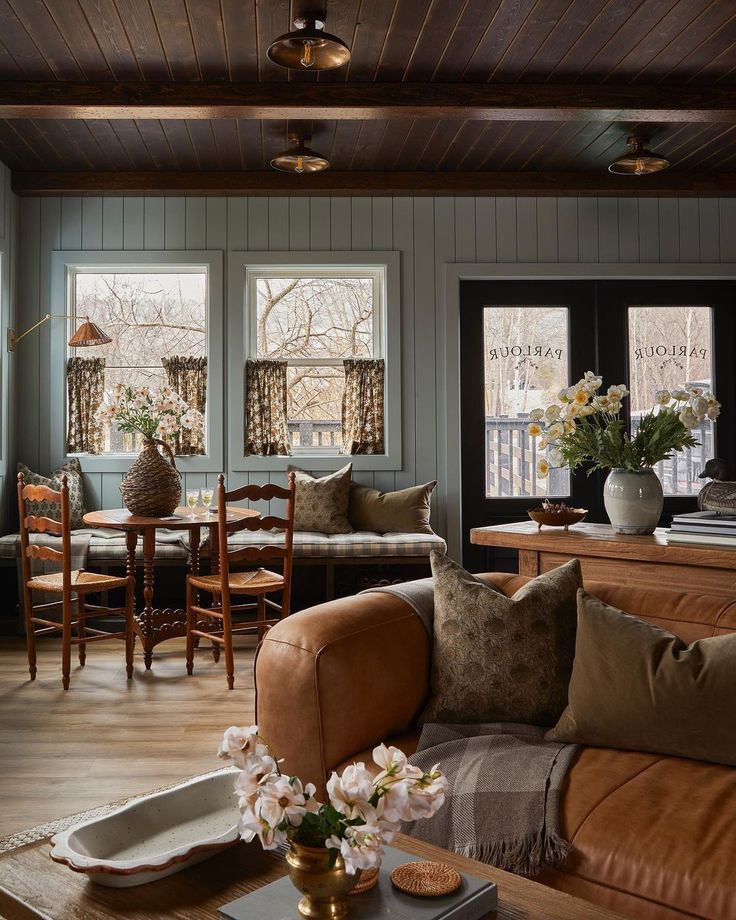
(266, 418)
(85, 381)
(188, 376)
(362, 407)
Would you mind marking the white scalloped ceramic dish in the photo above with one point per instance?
(154, 836)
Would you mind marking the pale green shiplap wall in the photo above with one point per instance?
(428, 232)
(8, 217)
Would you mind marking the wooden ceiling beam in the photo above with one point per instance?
(372, 183)
(364, 101)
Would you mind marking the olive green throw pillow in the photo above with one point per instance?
(636, 686)
(405, 511)
(497, 658)
(321, 505)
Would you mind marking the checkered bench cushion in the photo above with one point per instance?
(358, 544)
(104, 549)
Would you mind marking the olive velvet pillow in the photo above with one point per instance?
(321, 505)
(638, 687)
(497, 658)
(405, 511)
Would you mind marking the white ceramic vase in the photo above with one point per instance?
(633, 500)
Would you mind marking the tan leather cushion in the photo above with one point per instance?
(404, 511)
(653, 837)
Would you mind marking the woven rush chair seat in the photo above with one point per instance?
(241, 582)
(88, 582)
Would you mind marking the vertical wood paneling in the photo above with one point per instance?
(547, 230)
(427, 232)
(526, 230)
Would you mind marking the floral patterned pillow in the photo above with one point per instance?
(75, 484)
(322, 504)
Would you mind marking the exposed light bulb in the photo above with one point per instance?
(299, 164)
(307, 59)
(640, 167)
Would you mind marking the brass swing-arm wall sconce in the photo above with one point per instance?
(87, 335)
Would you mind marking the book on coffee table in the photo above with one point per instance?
(474, 899)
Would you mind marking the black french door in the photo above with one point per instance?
(521, 341)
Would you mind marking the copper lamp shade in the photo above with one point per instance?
(299, 159)
(637, 161)
(309, 47)
(89, 334)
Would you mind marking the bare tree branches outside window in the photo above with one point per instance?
(150, 316)
(314, 323)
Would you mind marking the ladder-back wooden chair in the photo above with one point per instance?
(223, 582)
(69, 583)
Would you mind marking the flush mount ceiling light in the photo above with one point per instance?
(299, 158)
(309, 47)
(637, 161)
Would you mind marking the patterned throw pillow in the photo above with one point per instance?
(75, 484)
(497, 658)
(322, 504)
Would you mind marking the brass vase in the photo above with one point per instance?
(325, 888)
(152, 486)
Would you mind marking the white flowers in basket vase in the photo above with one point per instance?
(154, 413)
(363, 811)
(585, 426)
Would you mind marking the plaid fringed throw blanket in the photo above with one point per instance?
(504, 794)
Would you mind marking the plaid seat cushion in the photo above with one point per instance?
(102, 549)
(347, 545)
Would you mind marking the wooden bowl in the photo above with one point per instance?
(558, 518)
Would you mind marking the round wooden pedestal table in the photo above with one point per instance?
(153, 624)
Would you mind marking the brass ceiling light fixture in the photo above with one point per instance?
(309, 47)
(300, 158)
(638, 161)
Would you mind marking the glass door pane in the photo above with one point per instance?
(526, 363)
(670, 347)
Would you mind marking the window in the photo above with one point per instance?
(150, 314)
(526, 365)
(314, 318)
(670, 346)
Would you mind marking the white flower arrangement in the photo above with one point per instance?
(585, 426)
(363, 812)
(154, 413)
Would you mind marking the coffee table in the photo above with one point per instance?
(32, 886)
(153, 624)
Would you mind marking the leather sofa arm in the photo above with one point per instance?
(339, 678)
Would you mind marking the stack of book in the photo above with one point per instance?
(704, 528)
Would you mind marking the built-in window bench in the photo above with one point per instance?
(384, 557)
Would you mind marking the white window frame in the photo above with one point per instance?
(244, 270)
(65, 266)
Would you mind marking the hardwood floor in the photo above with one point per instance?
(106, 738)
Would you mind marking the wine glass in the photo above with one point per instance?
(207, 496)
(193, 500)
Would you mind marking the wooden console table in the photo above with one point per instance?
(606, 556)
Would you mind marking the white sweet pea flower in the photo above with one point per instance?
(281, 799)
(542, 469)
(551, 413)
(350, 793)
(543, 442)
(556, 431)
(581, 397)
(586, 410)
(562, 396)
(534, 429)
(536, 415)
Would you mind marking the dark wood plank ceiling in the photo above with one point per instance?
(591, 42)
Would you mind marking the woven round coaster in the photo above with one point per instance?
(426, 879)
(368, 879)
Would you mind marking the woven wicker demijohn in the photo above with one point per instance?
(152, 486)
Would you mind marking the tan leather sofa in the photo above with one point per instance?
(654, 837)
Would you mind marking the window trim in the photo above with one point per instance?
(65, 264)
(243, 268)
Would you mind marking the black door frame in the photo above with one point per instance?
(598, 341)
